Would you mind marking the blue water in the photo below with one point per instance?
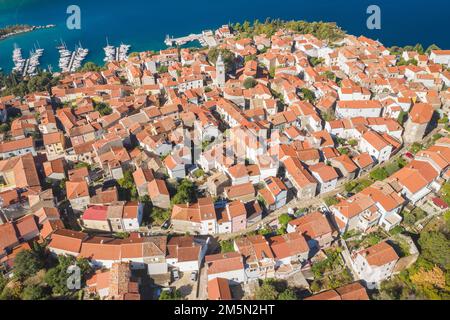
(144, 23)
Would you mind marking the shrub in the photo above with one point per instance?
(250, 83)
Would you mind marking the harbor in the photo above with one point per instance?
(26, 67)
(206, 39)
(71, 61)
(116, 53)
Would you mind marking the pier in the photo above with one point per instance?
(71, 61)
(206, 38)
(116, 53)
(26, 67)
(182, 40)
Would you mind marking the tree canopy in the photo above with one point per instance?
(185, 193)
(103, 108)
(249, 83)
(266, 292)
(15, 84)
(26, 264)
(379, 174)
(435, 247)
(34, 292)
(171, 295)
(321, 30)
(91, 66)
(128, 190)
(275, 290)
(227, 56)
(57, 276)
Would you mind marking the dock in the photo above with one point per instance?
(206, 38)
(71, 61)
(28, 66)
(182, 40)
(116, 53)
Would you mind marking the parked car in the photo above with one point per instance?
(166, 225)
(194, 276)
(409, 155)
(176, 275)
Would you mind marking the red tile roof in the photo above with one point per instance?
(219, 289)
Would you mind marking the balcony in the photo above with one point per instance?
(369, 219)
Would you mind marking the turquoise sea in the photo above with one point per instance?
(144, 23)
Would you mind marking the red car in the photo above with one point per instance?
(409, 155)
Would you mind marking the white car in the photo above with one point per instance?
(176, 275)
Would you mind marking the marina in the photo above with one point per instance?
(116, 53)
(71, 61)
(26, 67)
(206, 39)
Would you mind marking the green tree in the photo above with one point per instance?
(103, 108)
(435, 247)
(419, 49)
(402, 117)
(227, 246)
(227, 56)
(316, 286)
(171, 295)
(308, 95)
(57, 276)
(249, 83)
(330, 75)
(445, 192)
(379, 174)
(403, 62)
(162, 69)
(315, 61)
(288, 294)
(447, 219)
(3, 282)
(185, 193)
(91, 67)
(250, 58)
(246, 26)
(331, 201)
(34, 292)
(158, 216)
(272, 72)
(284, 219)
(199, 173)
(5, 127)
(431, 48)
(409, 218)
(15, 84)
(416, 147)
(26, 264)
(266, 292)
(128, 187)
(393, 290)
(9, 294)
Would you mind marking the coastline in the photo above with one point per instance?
(26, 29)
